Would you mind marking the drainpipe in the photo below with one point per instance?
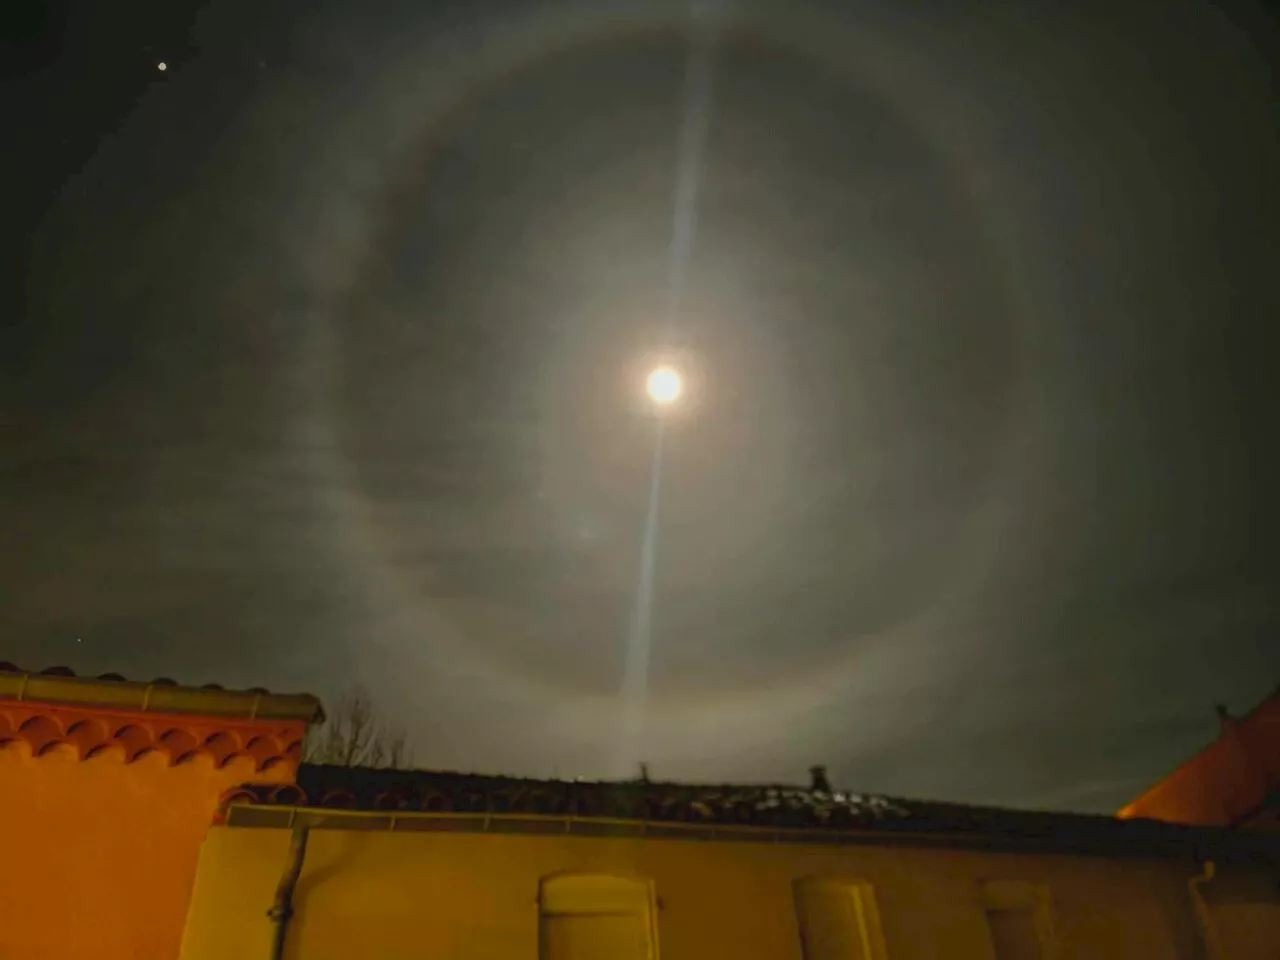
(1208, 933)
(282, 909)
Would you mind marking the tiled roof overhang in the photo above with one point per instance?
(94, 716)
(342, 798)
(60, 685)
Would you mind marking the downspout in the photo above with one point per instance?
(282, 909)
(1208, 933)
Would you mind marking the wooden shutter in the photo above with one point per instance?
(838, 920)
(1019, 919)
(596, 917)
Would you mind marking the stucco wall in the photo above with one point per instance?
(474, 895)
(97, 854)
(1245, 909)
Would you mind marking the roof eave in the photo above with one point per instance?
(158, 697)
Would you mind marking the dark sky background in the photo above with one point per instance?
(322, 365)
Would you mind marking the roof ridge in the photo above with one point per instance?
(61, 670)
(393, 777)
(61, 685)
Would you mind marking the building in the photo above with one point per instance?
(1232, 782)
(434, 864)
(157, 821)
(107, 790)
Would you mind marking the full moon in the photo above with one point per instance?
(664, 385)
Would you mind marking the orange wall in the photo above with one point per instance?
(473, 896)
(1225, 782)
(97, 854)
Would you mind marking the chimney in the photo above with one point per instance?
(1225, 720)
(818, 781)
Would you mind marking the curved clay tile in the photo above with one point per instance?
(434, 801)
(339, 799)
(244, 794)
(98, 749)
(179, 741)
(473, 801)
(254, 703)
(225, 760)
(177, 738)
(506, 799)
(39, 731)
(263, 747)
(88, 729)
(536, 801)
(390, 800)
(287, 795)
(85, 733)
(221, 742)
(136, 741)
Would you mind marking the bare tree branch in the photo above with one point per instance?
(352, 736)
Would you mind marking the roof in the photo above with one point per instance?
(1227, 781)
(408, 800)
(93, 715)
(57, 685)
(1265, 816)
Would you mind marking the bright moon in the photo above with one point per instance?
(664, 385)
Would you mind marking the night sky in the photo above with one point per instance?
(323, 354)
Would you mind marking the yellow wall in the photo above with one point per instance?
(468, 896)
(97, 855)
(1244, 907)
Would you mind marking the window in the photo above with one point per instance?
(1018, 919)
(838, 919)
(595, 917)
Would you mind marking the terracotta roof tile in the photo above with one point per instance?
(60, 670)
(60, 684)
(91, 732)
(776, 807)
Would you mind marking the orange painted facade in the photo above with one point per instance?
(1234, 781)
(105, 801)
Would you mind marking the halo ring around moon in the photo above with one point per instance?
(861, 57)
